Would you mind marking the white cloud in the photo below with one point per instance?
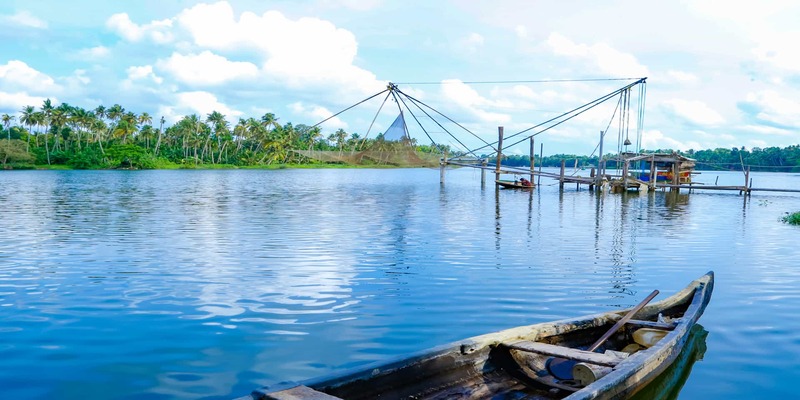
(25, 18)
(17, 75)
(143, 72)
(521, 31)
(318, 113)
(13, 102)
(308, 52)
(94, 52)
(607, 59)
(206, 68)
(775, 108)
(472, 101)
(769, 130)
(694, 111)
(157, 31)
(655, 139)
(199, 102)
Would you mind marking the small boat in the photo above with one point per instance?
(526, 362)
(514, 184)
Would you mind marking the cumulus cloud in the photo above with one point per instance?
(470, 100)
(770, 106)
(206, 68)
(13, 102)
(298, 53)
(198, 102)
(693, 111)
(521, 31)
(25, 18)
(157, 31)
(655, 139)
(607, 59)
(144, 72)
(18, 76)
(318, 113)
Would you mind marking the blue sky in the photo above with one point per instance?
(717, 76)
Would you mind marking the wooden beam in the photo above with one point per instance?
(565, 352)
(299, 393)
(652, 324)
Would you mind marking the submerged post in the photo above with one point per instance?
(561, 176)
(499, 154)
(591, 179)
(675, 176)
(443, 167)
(653, 176)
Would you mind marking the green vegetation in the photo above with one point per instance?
(64, 136)
(793, 219)
(773, 159)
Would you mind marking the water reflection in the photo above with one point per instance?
(668, 385)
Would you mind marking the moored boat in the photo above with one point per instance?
(515, 184)
(633, 346)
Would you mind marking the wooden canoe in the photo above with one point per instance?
(513, 184)
(510, 364)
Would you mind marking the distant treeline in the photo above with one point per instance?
(116, 138)
(773, 159)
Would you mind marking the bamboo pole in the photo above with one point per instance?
(561, 176)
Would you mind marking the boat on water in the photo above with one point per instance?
(515, 184)
(629, 349)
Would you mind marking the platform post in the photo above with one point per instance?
(484, 162)
(533, 161)
(443, 167)
(499, 155)
(561, 176)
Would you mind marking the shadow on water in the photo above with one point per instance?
(668, 385)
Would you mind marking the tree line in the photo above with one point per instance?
(114, 137)
(773, 159)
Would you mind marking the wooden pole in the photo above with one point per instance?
(675, 176)
(541, 151)
(442, 168)
(499, 155)
(600, 167)
(625, 175)
(533, 162)
(591, 175)
(561, 176)
(484, 162)
(746, 180)
(653, 175)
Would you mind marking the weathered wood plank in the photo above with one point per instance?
(652, 324)
(300, 393)
(565, 352)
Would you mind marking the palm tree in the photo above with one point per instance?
(27, 118)
(46, 110)
(7, 121)
(158, 142)
(145, 120)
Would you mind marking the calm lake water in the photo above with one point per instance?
(208, 284)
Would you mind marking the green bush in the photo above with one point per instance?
(88, 158)
(793, 219)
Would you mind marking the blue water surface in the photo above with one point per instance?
(208, 284)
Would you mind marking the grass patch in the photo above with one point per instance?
(793, 219)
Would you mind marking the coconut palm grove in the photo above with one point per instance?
(66, 136)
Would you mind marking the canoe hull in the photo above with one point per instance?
(488, 366)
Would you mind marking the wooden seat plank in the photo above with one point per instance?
(565, 352)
